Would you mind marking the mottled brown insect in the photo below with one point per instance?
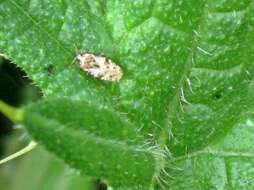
(99, 66)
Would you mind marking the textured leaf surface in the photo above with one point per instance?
(94, 146)
(187, 86)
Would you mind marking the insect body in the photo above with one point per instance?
(99, 67)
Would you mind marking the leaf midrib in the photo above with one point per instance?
(173, 104)
(207, 150)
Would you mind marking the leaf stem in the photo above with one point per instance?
(14, 114)
(28, 148)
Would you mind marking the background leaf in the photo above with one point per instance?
(49, 173)
(187, 85)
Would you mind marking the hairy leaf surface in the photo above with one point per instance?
(186, 92)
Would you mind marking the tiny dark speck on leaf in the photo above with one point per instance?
(49, 69)
(217, 95)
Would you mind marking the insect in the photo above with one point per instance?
(99, 66)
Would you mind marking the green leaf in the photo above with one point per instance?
(186, 92)
(226, 163)
(92, 140)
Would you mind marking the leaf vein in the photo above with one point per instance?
(38, 26)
